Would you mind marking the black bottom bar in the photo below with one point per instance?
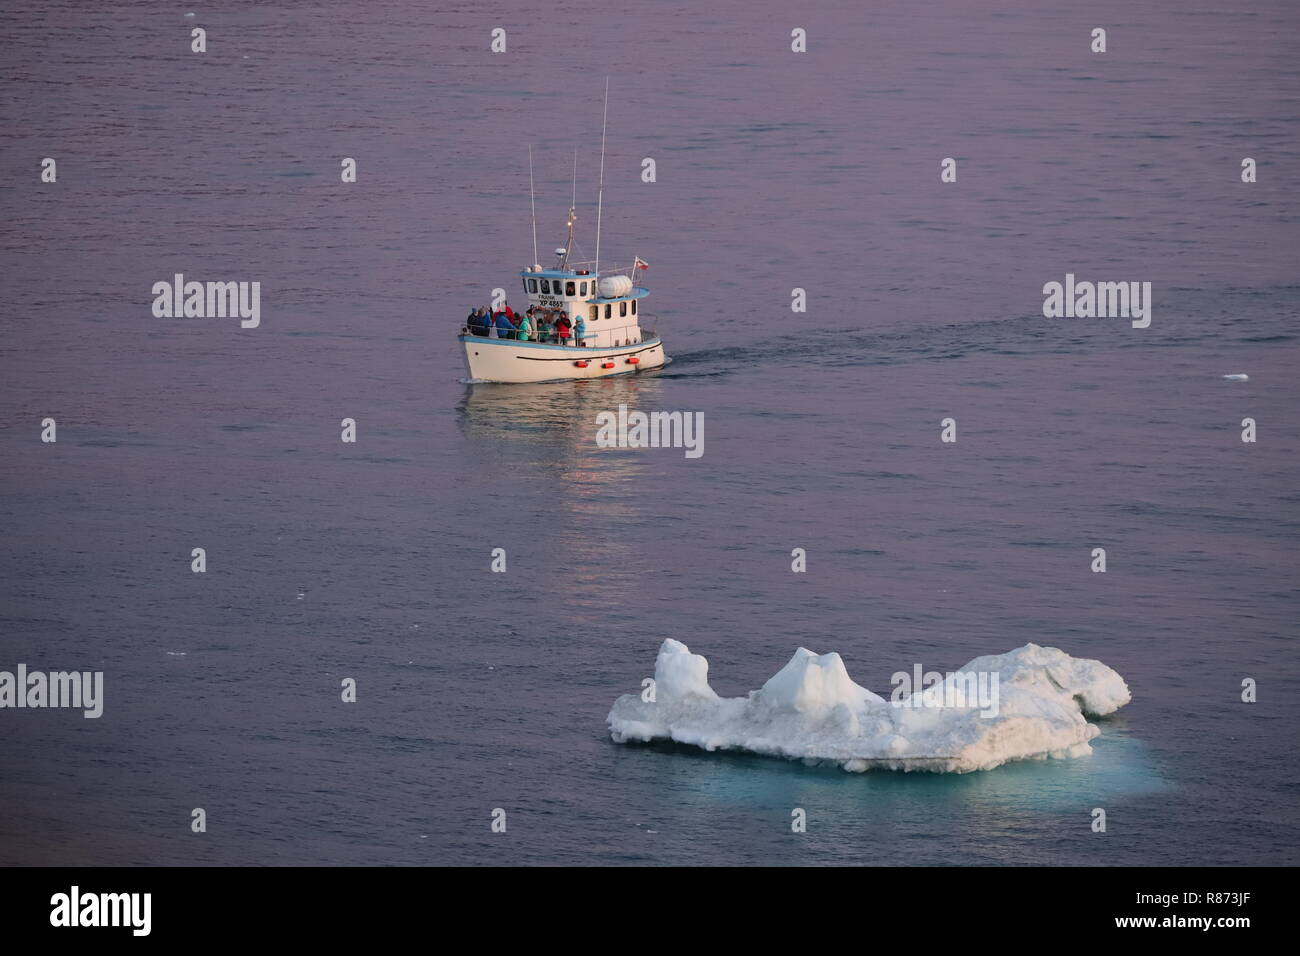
(333, 906)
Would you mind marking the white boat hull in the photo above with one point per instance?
(508, 360)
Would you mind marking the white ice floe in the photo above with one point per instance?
(1238, 377)
(811, 710)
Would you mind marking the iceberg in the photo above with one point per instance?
(811, 710)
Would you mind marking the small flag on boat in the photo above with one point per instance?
(641, 263)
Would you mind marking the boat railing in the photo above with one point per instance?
(614, 337)
(629, 270)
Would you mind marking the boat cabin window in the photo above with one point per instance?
(607, 310)
(583, 290)
(595, 312)
(622, 308)
(546, 287)
(634, 306)
(569, 289)
(532, 285)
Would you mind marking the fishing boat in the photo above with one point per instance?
(615, 339)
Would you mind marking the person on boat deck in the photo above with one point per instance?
(525, 326)
(545, 328)
(472, 320)
(562, 326)
(580, 332)
(505, 329)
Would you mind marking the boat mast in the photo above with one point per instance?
(573, 215)
(600, 194)
(532, 199)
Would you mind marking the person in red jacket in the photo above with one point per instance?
(563, 326)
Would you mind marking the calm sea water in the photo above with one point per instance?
(775, 170)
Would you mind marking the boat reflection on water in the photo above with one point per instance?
(546, 438)
(554, 413)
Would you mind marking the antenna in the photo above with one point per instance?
(600, 194)
(573, 215)
(532, 199)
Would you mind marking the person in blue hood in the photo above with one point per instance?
(505, 328)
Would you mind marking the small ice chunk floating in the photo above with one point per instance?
(811, 710)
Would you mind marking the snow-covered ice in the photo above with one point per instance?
(811, 710)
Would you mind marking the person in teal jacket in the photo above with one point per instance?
(525, 325)
(580, 331)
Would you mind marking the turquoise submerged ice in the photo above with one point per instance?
(811, 710)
